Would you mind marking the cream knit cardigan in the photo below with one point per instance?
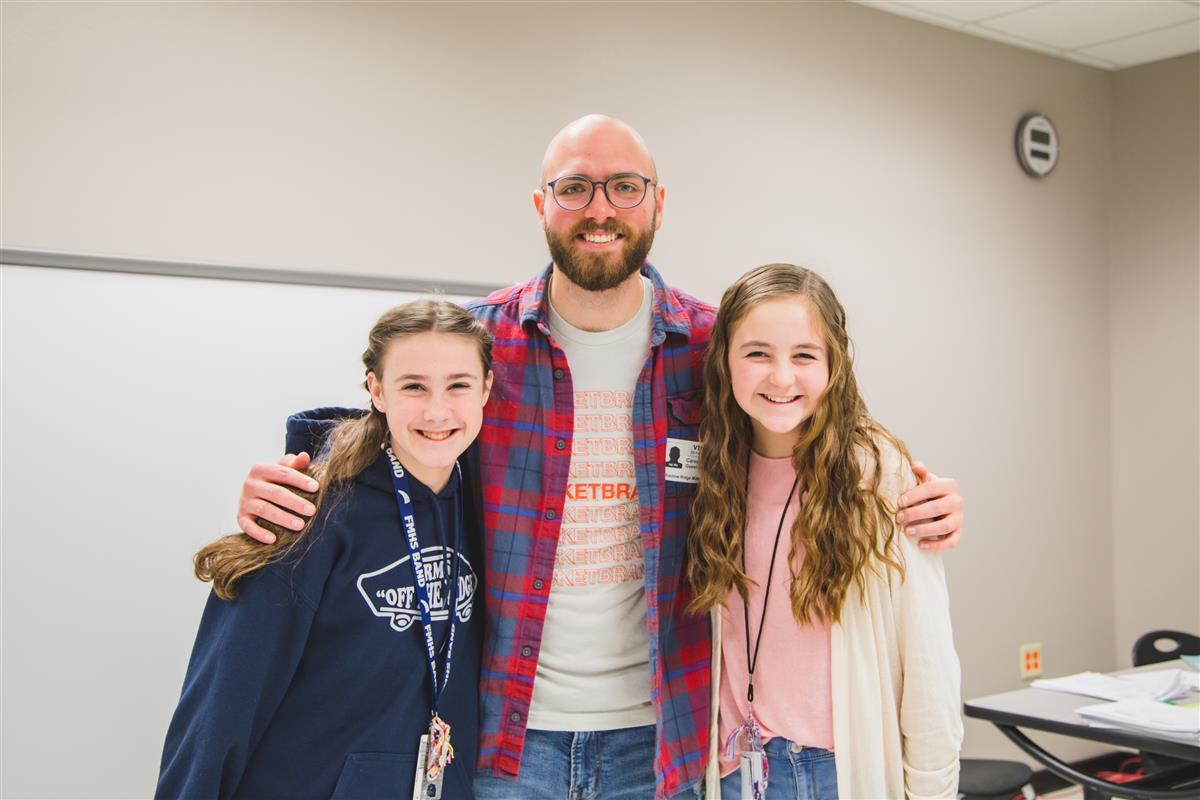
(897, 730)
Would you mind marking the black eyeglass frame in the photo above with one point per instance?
(604, 185)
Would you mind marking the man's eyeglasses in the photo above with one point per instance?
(574, 192)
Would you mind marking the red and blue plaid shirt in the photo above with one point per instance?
(525, 452)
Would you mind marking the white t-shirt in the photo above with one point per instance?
(593, 669)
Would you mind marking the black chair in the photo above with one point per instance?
(984, 779)
(1145, 649)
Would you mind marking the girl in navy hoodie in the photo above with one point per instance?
(313, 672)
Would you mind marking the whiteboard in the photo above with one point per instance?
(132, 407)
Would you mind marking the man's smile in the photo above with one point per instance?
(599, 237)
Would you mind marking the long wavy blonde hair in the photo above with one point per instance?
(845, 525)
(349, 448)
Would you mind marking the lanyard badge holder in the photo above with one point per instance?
(435, 751)
(754, 767)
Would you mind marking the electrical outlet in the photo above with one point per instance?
(1031, 660)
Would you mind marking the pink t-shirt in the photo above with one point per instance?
(791, 676)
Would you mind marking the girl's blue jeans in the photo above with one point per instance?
(796, 773)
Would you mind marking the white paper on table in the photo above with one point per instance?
(1150, 717)
(1090, 684)
(1163, 684)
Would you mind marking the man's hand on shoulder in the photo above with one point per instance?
(932, 512)
(264, 496)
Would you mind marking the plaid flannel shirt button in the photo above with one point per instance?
(550, 513)
(515, 716)
(526, 651)
(558, 373)
(560, 445)
(538, 583)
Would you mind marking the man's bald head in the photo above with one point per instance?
(599, 246)
(597, 141)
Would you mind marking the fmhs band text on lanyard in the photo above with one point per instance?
(435, 752)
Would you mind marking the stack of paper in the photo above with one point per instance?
(1180, 723)
(1162, 684)
(1165, 684)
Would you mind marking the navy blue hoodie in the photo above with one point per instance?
(315, 682)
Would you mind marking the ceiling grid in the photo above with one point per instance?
(1108, 34)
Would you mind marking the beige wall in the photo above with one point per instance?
(1155, 334)
(404, 139)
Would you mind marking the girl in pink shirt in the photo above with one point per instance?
(832, 631)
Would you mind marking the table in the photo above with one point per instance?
(1054, 712)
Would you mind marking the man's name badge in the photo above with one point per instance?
(683, 461)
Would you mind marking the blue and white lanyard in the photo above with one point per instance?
(404, 502)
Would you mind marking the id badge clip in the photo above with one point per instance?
(753, 760)
(433, 756)
(754, 785)
(425, 788)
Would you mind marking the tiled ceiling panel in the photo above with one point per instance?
(970, 12)
(1164, 43)
(1069, 26)
(1109, 34)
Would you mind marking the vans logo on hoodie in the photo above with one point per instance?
(391, 592)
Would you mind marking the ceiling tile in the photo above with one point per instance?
(1077, 25)
(1055, 27)
(1147, 47)
(910, 10)
(1015, 41)
(973, 11)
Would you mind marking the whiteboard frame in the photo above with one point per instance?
(21, 257)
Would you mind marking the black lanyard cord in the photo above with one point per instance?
(752, 661)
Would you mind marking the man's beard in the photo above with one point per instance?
(597, 272)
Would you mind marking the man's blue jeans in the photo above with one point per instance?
(583, 765)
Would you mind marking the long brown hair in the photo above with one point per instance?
(845, 525)
(351, 446)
